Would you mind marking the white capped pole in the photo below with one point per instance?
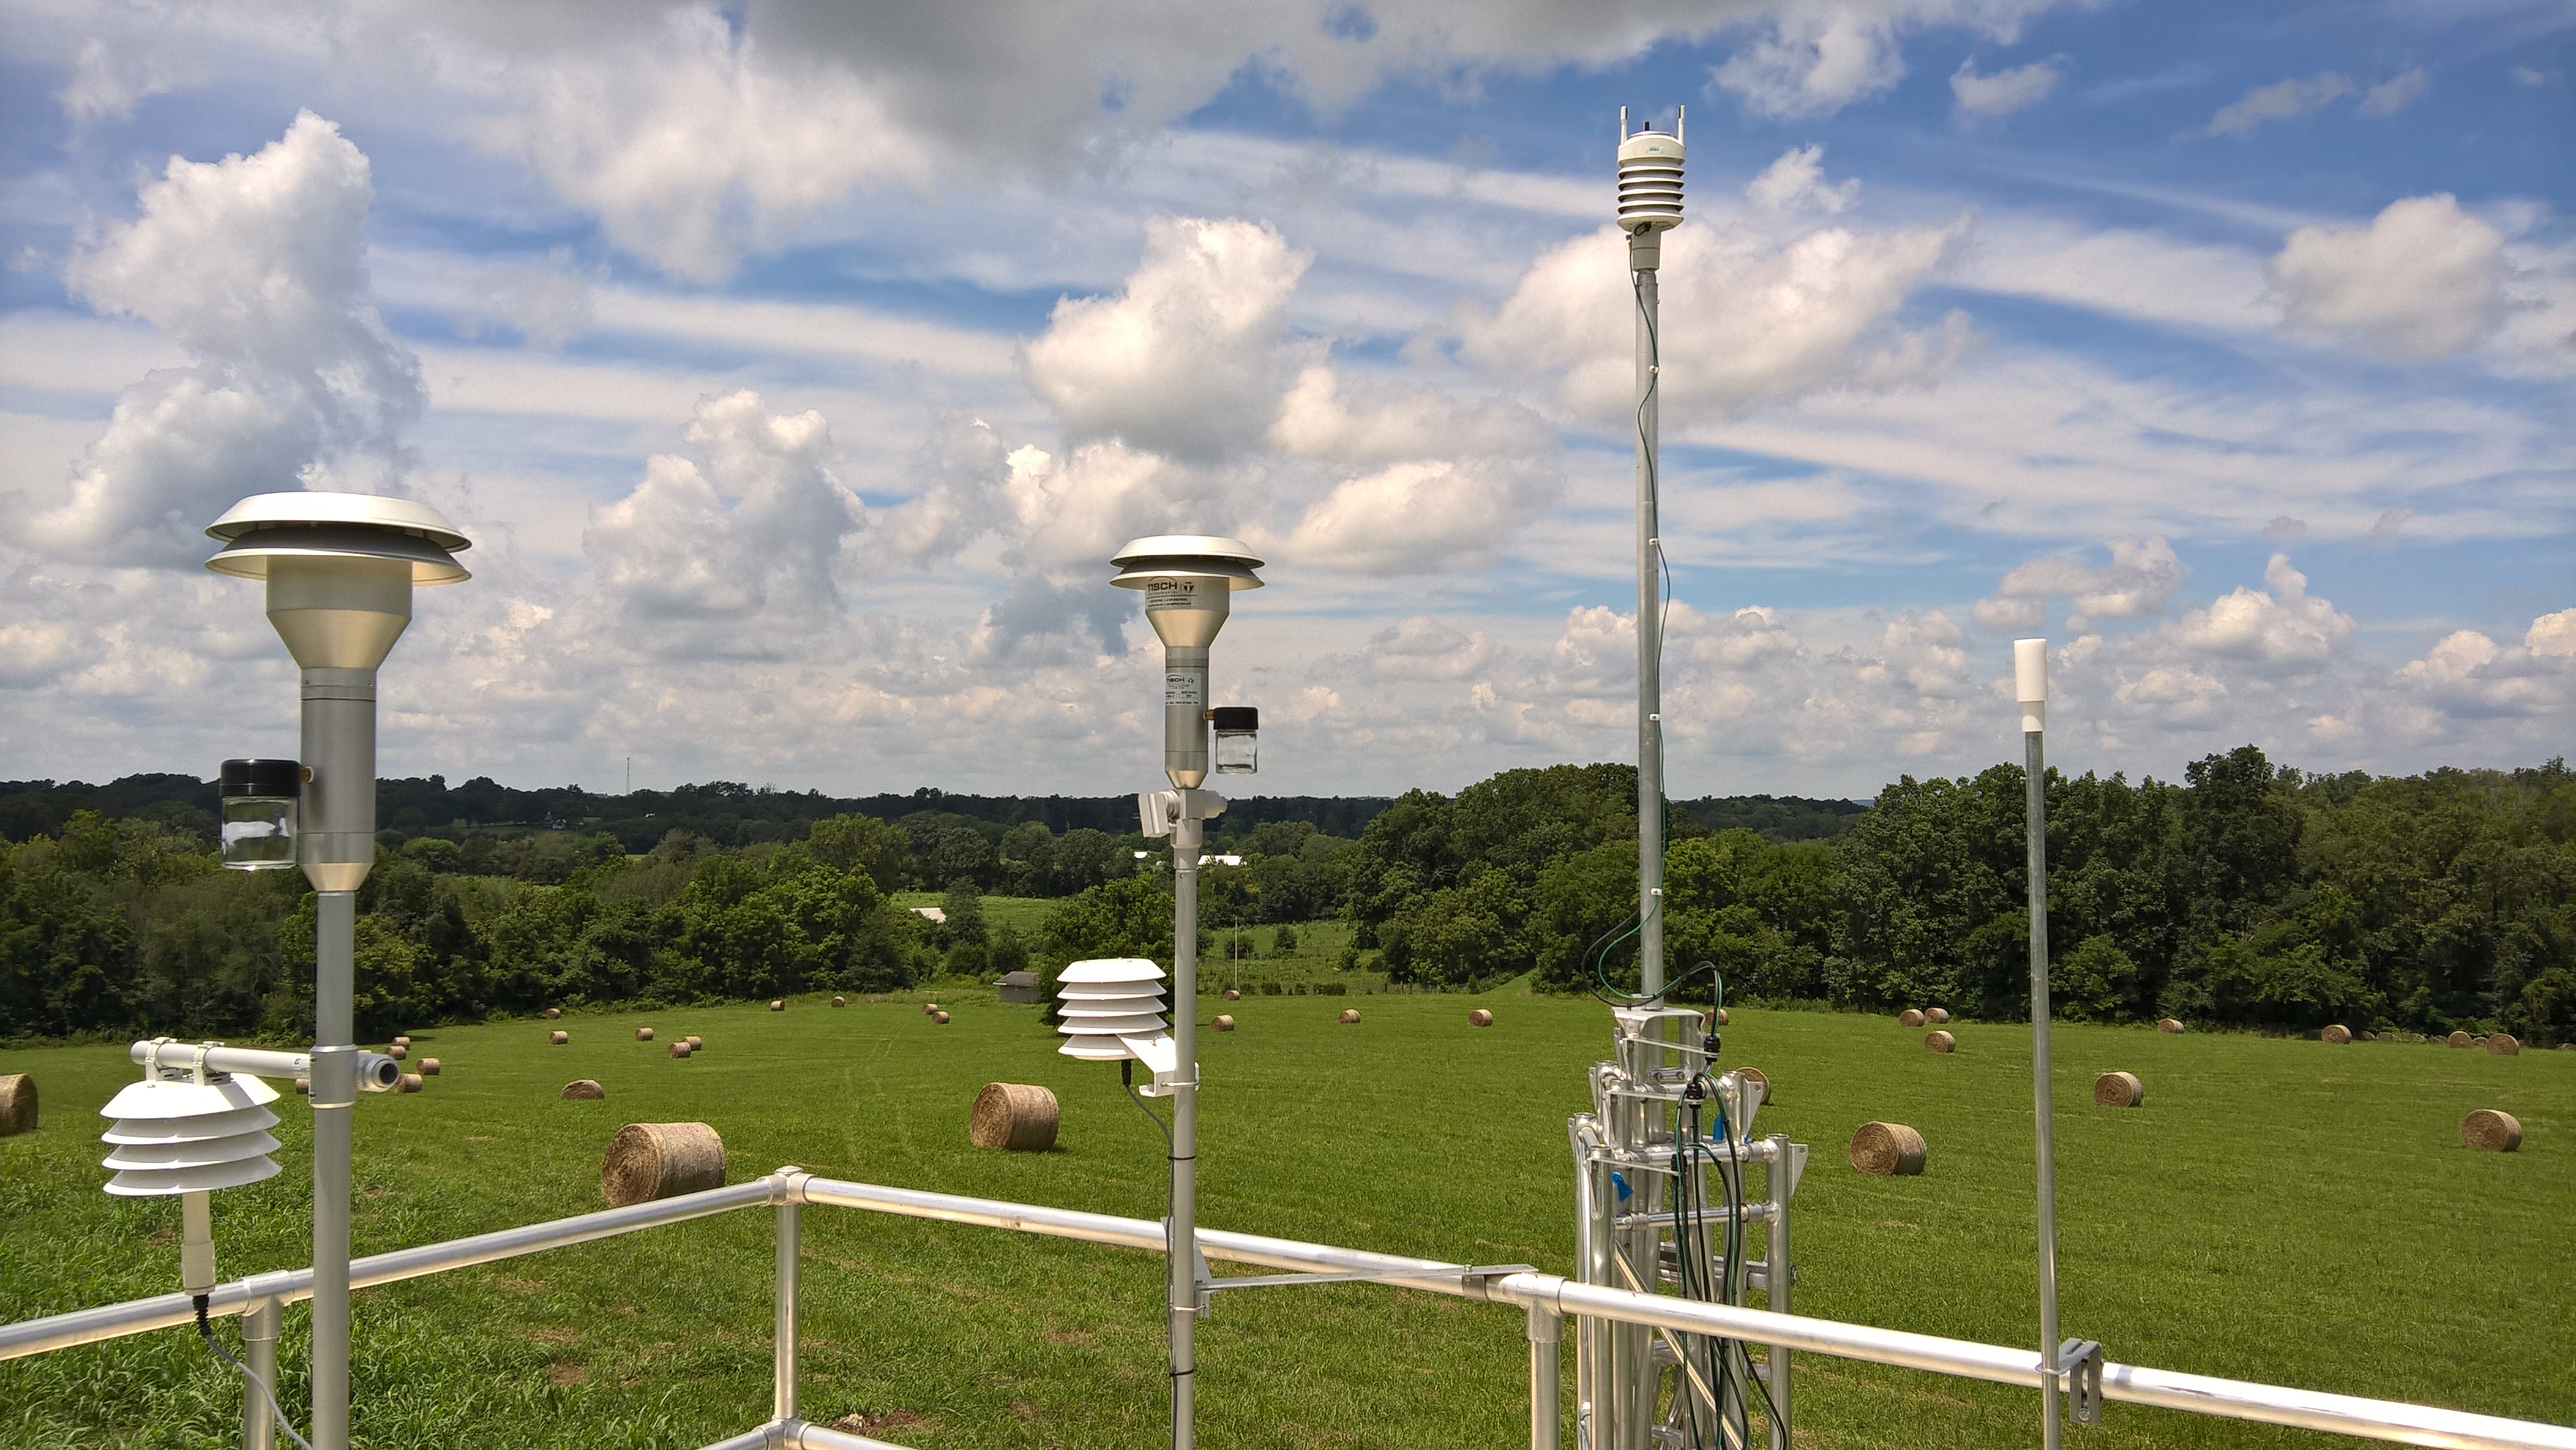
(2030, 683)
(1189, 581)
(1650, 204)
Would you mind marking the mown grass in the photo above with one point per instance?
(2280, 1210)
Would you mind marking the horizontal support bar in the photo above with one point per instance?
(1754, 1212)
(139, 1316)
(1362, 1276)
(377, 1073)
(2198, 1394)
(2391, 1420)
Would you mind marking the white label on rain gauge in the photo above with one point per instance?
(1184, 687)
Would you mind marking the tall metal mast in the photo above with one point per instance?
(1650, 203)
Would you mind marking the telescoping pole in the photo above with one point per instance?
(2030, 678)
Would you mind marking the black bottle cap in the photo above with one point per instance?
(263, 778)
(1235, 717)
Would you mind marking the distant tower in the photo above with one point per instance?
(1650, 204)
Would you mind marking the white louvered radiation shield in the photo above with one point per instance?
(176, 1134)
(1109, 1008)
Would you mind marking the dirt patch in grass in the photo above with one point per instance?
(864, 1422)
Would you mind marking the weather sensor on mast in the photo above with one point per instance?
(1664, 1195)
(1650, 204)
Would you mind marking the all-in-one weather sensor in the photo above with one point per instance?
(1650, 189)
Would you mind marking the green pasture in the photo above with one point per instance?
(2279, 1210)
(1024, 914)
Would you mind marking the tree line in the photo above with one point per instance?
(2246, 895)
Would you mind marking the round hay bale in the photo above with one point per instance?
(1480, 1018)
(410, 1083)
(1232, 995)
(679, 1049)
(397, 1052)
(403, 1041)
(583, 1090)
(840, 1001)
(643, 1034)
(929, 1009)
(1939, 1042)
(2490, 1131)
(429, 1067)
(2119, 1090)
(1223, 1023)
(2336, 1033)
(17, 1104)
(1350, 1014)
(777, 1004)
(2504, 1044)
(558, 1038)
(2168, 1024)
(1909, 1018)
(553, 1012)
(1888, 1150)
(2567, 1047)
(1936, 1015)
(2477, 1042)
(649, 1161)
(695, 1041)
(1761, 1083)
(2414, 1036)
(304, 1087)
(939, 1017)
(1015, 1116)
(2368, 1036)
(2458, 1039)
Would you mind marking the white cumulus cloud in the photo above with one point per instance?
(727, 550)
(1816, 58)
(1797, 180)
(257, 266)
(1747, 319)
(694, 145)
(2420, 281)
(1185, 359)
(2279, 625)
(2140, 579)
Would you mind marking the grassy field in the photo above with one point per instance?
(2280, 1210)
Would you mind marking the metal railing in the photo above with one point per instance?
(1545, 1298)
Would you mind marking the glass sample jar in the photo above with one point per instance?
(1238, 739)
(259, 799)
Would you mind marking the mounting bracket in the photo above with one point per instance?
(2080, 1360)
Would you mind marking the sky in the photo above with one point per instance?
(796, 368)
